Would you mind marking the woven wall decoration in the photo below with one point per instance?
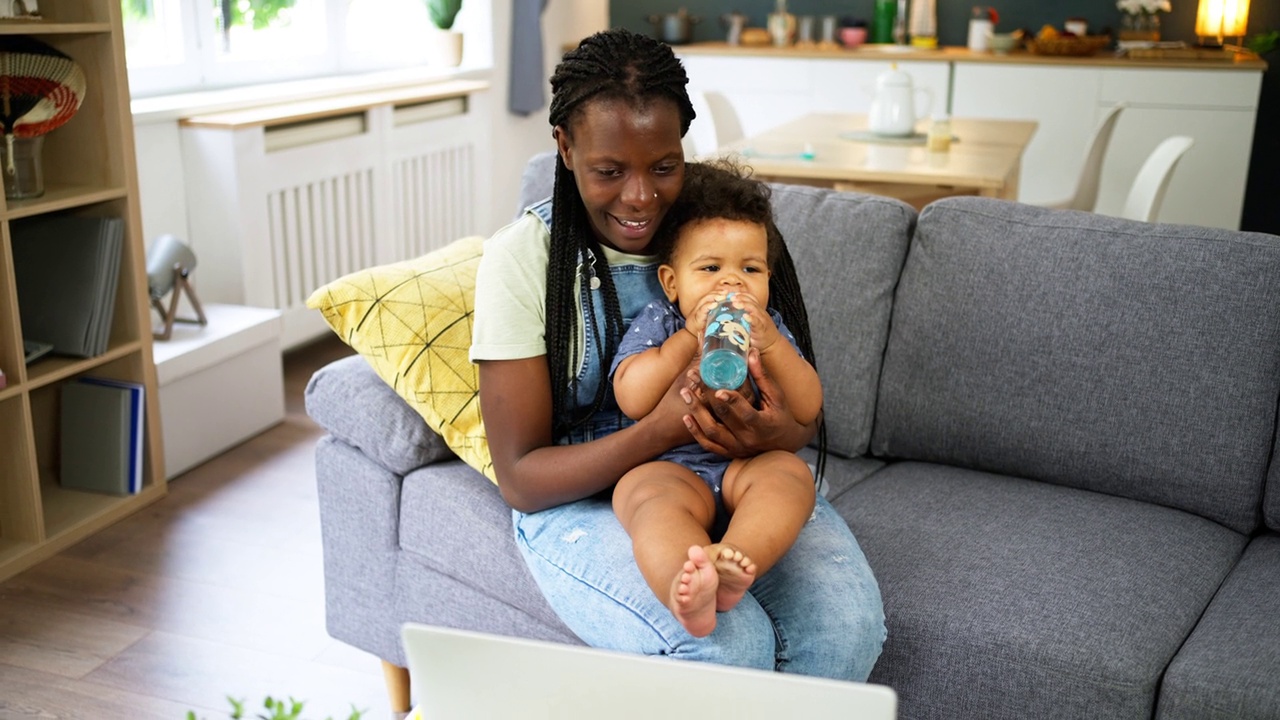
(40, 88)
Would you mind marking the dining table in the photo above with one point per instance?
(838, 150)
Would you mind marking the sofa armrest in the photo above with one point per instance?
(354, 405)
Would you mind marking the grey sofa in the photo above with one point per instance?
(1052, 432)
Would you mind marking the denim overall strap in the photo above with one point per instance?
(637, 286)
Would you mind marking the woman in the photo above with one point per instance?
(553, 298)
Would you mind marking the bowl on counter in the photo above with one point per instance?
(1003, 43)
(852, 37)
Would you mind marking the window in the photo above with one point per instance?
(185, 45)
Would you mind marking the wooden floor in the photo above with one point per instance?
(215, 590)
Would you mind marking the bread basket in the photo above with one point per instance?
(1077, 46)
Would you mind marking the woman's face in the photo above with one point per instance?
(628, 164)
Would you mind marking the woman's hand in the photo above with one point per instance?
(666, 421)
(725, 422)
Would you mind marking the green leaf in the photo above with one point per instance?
(443, 12)
(1263, 43)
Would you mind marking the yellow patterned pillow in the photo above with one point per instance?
(411, 321)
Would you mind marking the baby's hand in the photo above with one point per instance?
(696, 323)
(763, 332)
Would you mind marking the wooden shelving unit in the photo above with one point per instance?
(89, 169)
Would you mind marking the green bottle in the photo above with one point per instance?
(882, 25)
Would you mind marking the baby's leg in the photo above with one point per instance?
(667, 509)
(769, 498)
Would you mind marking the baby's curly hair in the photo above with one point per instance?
(723, 189)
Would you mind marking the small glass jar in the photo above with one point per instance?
(21, 166)
(939, 137)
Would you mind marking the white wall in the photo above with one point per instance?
(514, 138)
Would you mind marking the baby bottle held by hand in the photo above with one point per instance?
(724, 346)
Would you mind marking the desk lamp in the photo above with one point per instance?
(169, 265)
(1216, 19)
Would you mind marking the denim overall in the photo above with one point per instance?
(817, 612)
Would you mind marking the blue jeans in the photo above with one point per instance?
(817, 612)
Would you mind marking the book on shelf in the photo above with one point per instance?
(102, 435)
(67, 269)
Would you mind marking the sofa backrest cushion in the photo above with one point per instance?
(1133, 359)
(1271, 496)
(848, 249)
(537, 181)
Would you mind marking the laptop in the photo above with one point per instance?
(456, 674)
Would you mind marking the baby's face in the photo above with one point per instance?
(718, 256)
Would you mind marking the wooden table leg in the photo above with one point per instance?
(397, 679)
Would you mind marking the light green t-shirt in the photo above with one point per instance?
(511, 285)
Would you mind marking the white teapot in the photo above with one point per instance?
(893, 107)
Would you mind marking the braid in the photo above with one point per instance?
(610, 65)
(786, 296)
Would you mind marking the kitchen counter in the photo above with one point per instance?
(881, 53)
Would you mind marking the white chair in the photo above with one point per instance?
(717, 124)
(1085, 196)
(1147, 192)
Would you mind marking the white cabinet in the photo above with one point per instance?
(1214, 107)
(1064, 101)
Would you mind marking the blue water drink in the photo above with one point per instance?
(724, 347)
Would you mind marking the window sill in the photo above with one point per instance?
(169, 108)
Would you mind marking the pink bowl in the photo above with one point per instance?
(853, 36)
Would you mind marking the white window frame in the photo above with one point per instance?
(201, 71)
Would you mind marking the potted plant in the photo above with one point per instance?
(449, 45)
(276, 709)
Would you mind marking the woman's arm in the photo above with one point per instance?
(534, 474)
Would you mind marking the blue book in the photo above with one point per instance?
(102, 435)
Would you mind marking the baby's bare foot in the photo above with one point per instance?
(736, 572)
(693, 593)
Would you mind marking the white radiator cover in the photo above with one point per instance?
(276, 212)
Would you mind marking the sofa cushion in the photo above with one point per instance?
(412, 321)
(1128, 358)
(848, 250)
(1011, 598)
(349, 400)
(460, 527)
(1230, 665)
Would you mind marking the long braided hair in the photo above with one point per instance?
(721, 189)
(614, 65)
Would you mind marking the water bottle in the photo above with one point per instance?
(882, 25)
(724, 347)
